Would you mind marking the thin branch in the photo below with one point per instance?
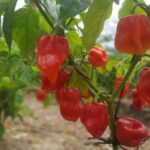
(134, 61)
(44, 14)
(92, 71)
(118, 104)
(142, 5)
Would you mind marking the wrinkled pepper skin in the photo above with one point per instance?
(69, 103)
(130, 132)
(95, 118)
(63, 77)
(97, 57)
(133, 34)
(40, 95)
(143, 85)
(138, 104)
(52, 52)
(126, 88)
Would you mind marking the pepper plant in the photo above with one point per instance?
(54, 42)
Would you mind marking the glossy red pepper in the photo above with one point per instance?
(133, 34)
(130, 132)
(97, 57)
(52, 52)
(95, 118)
(143, 85)
(138, 104)
(41, 95)
(69, 103)
(63, 77)
(126, 88)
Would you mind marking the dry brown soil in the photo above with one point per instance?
(48, 131)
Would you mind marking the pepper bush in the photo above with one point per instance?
(52, 45)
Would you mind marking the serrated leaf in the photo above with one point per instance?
(1, 131)
(8, 22)
(25, 31)
(127, 7)
(70, 8)
(98, 12)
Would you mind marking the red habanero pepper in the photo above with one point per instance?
(143, 85)
(63, 77)
(95, 118)
(130, 132)
(133, 34)
(69, 103)
(40, 95)
(52, 52)
(97, 57)
(138, 104)
(126, 88)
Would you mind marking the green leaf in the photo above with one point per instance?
(3, 5)
(127, 7)
(52, 8)
(117, 1)
(106, 79)
(70, 8)
(98, 12)
(8, 22)
(25, 74)
(75, 42)
(77, 82)
(1, 131)
(4, 1)
(43, 25)
(49, 100)
(25, 31)
(3, 45)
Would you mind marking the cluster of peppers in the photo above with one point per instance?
(52, 53)
(132, 36)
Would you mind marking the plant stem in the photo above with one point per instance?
(112, 116)
(118, 104)
(92, 70)
(83, 75)
(106, 97)
(44, 14)
(142, 5)
(112, 125)
(133, 63)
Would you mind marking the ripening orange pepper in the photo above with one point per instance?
(133, 34)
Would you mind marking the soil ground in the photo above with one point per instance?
(48, 131)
